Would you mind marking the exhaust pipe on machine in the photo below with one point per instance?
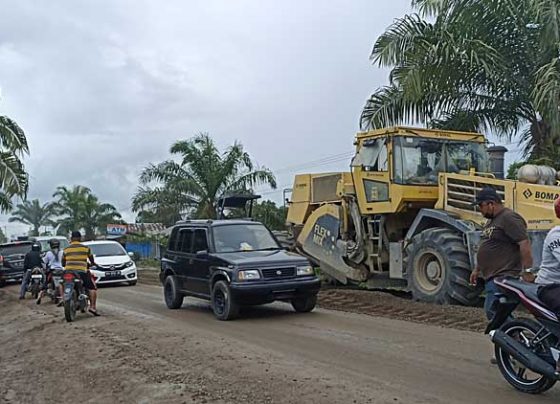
(524, 355)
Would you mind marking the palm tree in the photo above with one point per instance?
(269, 214)
(69, 207)
(474, 65)
(13, 177)
(35, 214)
(96, 215)
(199, 179)
(80, 209)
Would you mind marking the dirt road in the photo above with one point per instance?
(141, 352)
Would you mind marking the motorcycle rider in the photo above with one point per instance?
(548, 276)
(75, 258)
(32, 260)
(53, 262)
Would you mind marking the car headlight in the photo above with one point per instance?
(305, 270)
(248, 275)
(129, 264)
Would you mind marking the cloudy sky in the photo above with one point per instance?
(102, 88)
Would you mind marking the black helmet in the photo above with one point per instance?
(54, 243)
(36, 247)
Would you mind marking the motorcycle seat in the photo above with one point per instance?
(530, 290)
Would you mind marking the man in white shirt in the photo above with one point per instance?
(548, 275)
(53, 262)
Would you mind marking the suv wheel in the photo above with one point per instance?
(304, 304)
(222, 302)
(173, 299)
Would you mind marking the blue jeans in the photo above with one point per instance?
(24, 282)
(491, 289)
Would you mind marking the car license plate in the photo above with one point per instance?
(36, 276)
(112, 273)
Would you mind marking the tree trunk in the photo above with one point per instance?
(90, 234)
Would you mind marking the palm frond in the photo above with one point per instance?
(12, 137)
(13, 178)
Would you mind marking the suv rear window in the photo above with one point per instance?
(15, 249)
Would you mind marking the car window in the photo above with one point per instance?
(15, 249)
(173, 239)
(106, 249)
(200, 241)
(243, 237)
(184, 241)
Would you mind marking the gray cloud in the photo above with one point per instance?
(104, 87)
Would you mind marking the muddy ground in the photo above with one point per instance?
(141, 352)
(385, 304)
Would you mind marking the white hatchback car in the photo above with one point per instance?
(114, 265)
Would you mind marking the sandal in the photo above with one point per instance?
(94, 312)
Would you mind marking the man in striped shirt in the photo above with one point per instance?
(75, 258)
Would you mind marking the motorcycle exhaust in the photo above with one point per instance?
(524, 355)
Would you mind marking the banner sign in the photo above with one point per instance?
(116, 229)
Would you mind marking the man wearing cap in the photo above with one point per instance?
(75, 258)
(505, 249)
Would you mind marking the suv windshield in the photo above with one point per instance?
(15, 249)
(419, 160)
(243, 237)
(106, 250)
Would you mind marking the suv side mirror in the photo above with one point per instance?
(202, 253)
(131, 254)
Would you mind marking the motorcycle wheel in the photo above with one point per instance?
(70, 310)
(515, 373)
(35, 291)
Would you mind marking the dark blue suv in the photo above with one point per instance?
(234, 263)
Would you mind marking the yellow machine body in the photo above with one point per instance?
(364, 225)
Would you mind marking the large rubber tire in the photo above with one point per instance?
(438, 268)
(506, 367)
(173, 298)
(304, 304)
(223, 305)
(132, 283)
(70, 310)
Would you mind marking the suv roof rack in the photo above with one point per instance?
(240, 201)
(185, 221)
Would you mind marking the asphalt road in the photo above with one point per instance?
(350, 357)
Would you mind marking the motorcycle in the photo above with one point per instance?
(54, 278)
(75, 296)
(36, 281)
(527, 350)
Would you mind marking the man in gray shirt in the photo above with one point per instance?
(549, 273)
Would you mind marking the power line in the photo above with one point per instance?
(316, 163)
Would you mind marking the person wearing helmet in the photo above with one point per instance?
(32, 260)
(53, 262)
